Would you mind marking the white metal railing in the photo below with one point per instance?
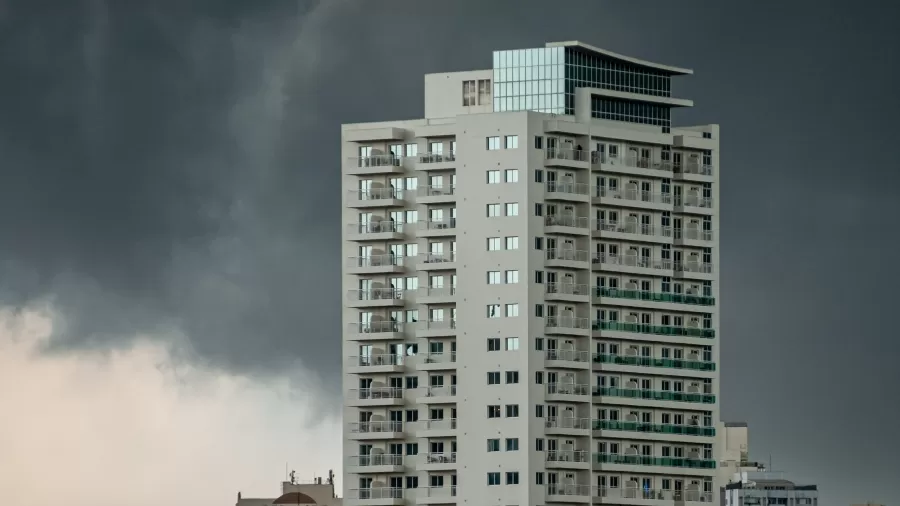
(437, 157)
(443, 424)
(564, 422)
(568, 389)
(577, 155)
(438, 324)
(385, 260)
(633, 491)
(693, 234)
(375, 294)
(569, 489)
(565, 220)
(376, 327)
(631, 228)
(446, 491)
(631, 261)
(441, 391)
(437, 224)
(375, 161)
(690, 167)
(633, 195)
(375, 227)
(572, 255)
(570, 188)
(436, 190)
(376, 459)
(364, 494)
(383, 193)
(694, 201)
(577, 456)
(437, 258)
(701, 267)
(379, 426)
(568, 322)
(569, 355)
(437, 358)
(439, 458)
(567, 288)
(377, 393)
(436, 291)
(379, 359)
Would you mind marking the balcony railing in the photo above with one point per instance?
(448, 491)
(576, 155)
(388, 359)
(640, 460)
(655, 395)
(381, 459)
(571, 255)
(378, 393)
(437, 291)
(636, 492)
(563, 422)
(387, 260)
(376, 327)
(567, 322)
(567, 456)
(437, 358)
(567, 389)
(659, 330)
(633, 195)
(568, 355)
(671, 363)
(437, 258)
(567, 489)
(365, 494)
(569, 188)
(693, 168)
(705, 268)
(448, 223)
(692, 201)
(437, 157)
(565, 220)
(693, 234)
(673, 298)
(375, 227)
(438, 324)
(656, 428)
(375, 294)
(444, 424)
(369, 194)
(439, 458)
(436, 190)
(631, 228)
(630, 161)
(374, 427)
(567, 288)
(631, 261)
(440, 391)
(376, 161)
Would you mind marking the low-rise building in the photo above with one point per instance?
(318, 492)
(764, 488)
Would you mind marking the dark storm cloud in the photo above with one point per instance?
(154, 177)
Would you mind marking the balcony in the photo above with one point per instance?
(436, 161)
(694, 269)
(655, 428)
(567, 292)
(631, 165)
(437, 462)
(380, 430)
(375, 331)
(657, 330)
(570, 192)
(375, 198)
(376, 396)
(437, 395)
(670, 298)
(567, 359)
(436, 294)
(436, 194)
(436, 361)
(631, 198)
(693, 204)
(567, 325)
(566, 157)
(375, 297)
(568, 392)
(634, 494)
(375, 164)
(567, 426)
(669, 363)
(566, 224)
(567, 459)
(437, 228)
(639, 460)
(436, 428)
(436, 328)
(377, 496)
(693, 168)
(375, 264)
(654, 395)
(632, 231)
(632, 264)
(568, 493)
(568, 258)
(381, 230)
(375, 464)
(375, 364)
(436, 261)
(693, 237)
(436, 495)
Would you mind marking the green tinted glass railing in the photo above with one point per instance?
(693, 365)
(638, 460)
(655, 395)
(661, 330)
(675, 298)
(656, 428)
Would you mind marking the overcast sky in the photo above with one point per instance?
(169, 224)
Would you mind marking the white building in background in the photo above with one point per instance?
(318, 492)
(531, 279)
(734, 451)
(765, 488)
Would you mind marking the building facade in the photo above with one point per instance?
(532, 289)
(766, 488)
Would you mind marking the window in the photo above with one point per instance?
(512, 444)
(412, 482)
(539, 377)
(493, 478)
(493, 344)
(411, 149)
(484, 92)
(512, 377)
(493, 378)
(493, 311)
(512, 277)
(538, 209)
(511, 175)
(539, 310)
(539, 277)
(493, 244)
(512, 411)
(512, 209)
(512, 310)
(538, 478)
(493, 411)
(511, 141)
(538, 344)
(493, 278)
(493, 177)
(538, 243)
(493, 143)
(493, 210)
(468, 90)
(493, 445)
(538, 143)
(539, 443)
(512, 242)
(512, 478)
(512, 343)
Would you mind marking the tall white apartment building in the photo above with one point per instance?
(531, 282)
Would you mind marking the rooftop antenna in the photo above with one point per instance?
(293, 477)
(770, 463)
